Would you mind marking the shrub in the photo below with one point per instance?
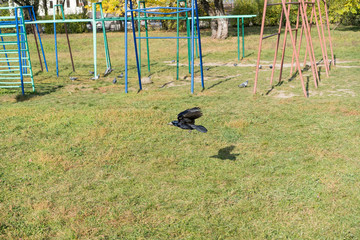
(78, 27)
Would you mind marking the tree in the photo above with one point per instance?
(219, 26)
(211, 7)
(348, 11)
(44, 5)
(34, 3)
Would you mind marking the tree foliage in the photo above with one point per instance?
(345, 11)
(339, 11)
(34, 3)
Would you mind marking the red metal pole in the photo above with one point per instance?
(277, 46)
(305, 57)
(37, 47)
(328, 27)
(284, 45)
(260, 43)
(326, 59)
(296, 34)
(68, 41)
(294, 48)
(309, 43)
(321, 42)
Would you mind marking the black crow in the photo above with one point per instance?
(207, 69)
(114, 81)
(186, 120)
(73, 78)
(244, 84)
(121, 75)
(260, 67)
(270, 66)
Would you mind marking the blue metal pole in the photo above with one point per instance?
(41, 45)
(126, 49)
(192, 46)
(19, 51)
(6, 56)
(136, 51)
(23, 47)
(199, 39)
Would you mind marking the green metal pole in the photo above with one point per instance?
(147, 41)
(94, 36)
(177, 43)
(107, 54)
(238, 38)
(139, 35)
(243, 37)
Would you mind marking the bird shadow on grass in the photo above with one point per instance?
(225, 153)
(28, 96)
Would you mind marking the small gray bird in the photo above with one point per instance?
(244, 84)
(96, 77)
(207, 69)
(235, 64)
(73, 78)
(260, 67)
(114, 81)
(108, 71)
(172, 61)
(91, 72)
(121, 75)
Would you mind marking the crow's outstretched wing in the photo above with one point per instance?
(189, 115)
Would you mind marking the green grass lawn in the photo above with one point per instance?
(83, 160)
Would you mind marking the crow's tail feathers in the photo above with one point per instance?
(200, 128)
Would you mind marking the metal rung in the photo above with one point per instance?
(10, 70)
(9, 61)
(10, 86)
(9, 34)
(10, 26)
(26, 58)
(14, 82)
(271, 35)
(8, 17)
(274, 4)
(9, 43)
(9, 78)
(13, 50)
(5, 74)
(10, 82)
